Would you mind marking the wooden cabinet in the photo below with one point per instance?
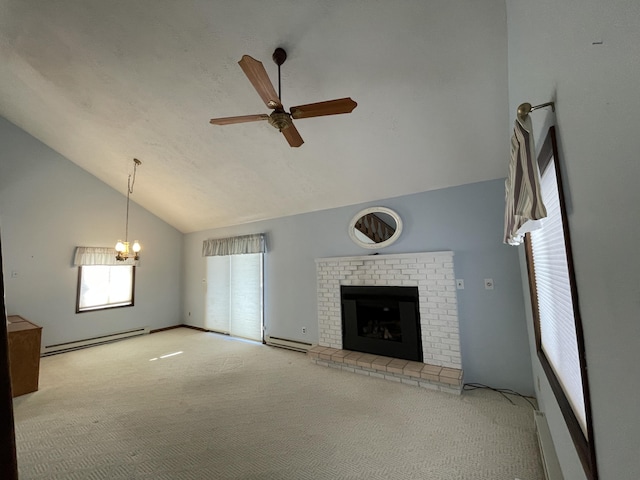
(24, 354)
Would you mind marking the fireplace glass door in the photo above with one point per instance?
(382, 321)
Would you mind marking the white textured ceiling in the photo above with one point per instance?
(104, 81)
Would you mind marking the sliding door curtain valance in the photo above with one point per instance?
(244, 244)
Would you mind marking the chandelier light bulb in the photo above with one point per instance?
(136, 246)
(120, 246)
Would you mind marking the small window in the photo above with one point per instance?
(105, 286)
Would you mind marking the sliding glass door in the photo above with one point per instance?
(234, 300)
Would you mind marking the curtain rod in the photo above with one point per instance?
(525, 108)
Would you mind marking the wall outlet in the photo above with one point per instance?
(460, 284)
(304, 330)
(488, 283)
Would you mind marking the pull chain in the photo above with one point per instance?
(130, 182)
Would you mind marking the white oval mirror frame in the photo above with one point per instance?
(373, 210)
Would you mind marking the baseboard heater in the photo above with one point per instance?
(90, 342)
(289, 344)
(550, 461)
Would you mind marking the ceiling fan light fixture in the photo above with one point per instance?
(280, 120)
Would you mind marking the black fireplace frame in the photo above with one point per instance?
(406, 299)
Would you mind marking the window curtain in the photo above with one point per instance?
(523, 196)
(234, 245)
(99, 256)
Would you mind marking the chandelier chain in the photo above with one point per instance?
(130, 182)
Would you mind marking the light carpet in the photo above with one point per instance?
(229, 409)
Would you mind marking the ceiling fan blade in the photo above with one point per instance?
(330, 107)
(257, 75)
(293, 136)
(240, 119)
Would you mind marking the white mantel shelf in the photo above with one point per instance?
(384, 256)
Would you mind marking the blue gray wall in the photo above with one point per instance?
(584, 55)
(48, 206)
(466, 219)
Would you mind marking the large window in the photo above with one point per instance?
(234, 301)
(105, 286)
(558, 328)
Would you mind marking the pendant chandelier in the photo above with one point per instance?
(124, 251)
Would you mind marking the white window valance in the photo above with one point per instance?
(99, 256)
(234, 245)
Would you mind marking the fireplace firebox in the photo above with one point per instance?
(381, 320)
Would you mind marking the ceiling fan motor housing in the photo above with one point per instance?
(280, 120)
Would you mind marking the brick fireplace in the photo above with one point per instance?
(433, 275)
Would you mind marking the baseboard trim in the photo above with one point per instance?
(182, 325)
(550, 462)
(92, 342)
(163, 329)
(287, 343)
(194, 327)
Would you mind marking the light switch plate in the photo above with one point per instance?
(460, 284)
(488, 283)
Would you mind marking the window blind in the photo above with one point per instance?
(104, 286)
(558, 336)
(245, 309)
(217, 298)
(234, 295)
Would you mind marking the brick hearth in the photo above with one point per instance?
(405, 371)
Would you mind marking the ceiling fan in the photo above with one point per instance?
(279, 118)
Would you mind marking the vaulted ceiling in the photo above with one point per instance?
(102, 82)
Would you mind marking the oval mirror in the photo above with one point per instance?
(375, 227)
